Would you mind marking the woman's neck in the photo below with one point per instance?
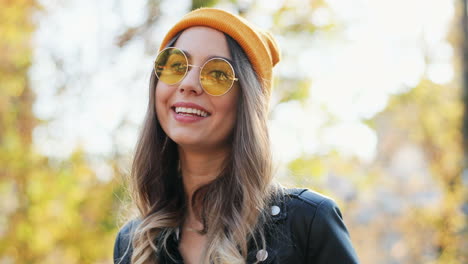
(199, 168)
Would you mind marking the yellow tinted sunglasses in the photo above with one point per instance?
(216, 75)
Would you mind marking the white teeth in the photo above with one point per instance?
(185, 110)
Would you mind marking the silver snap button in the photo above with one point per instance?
(262, 255)
(275, 210)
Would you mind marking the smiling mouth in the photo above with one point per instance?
(188, 111)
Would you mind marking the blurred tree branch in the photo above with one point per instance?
(154, 13)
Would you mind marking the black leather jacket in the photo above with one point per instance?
(307, 227)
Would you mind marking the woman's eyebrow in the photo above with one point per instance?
(209, 57)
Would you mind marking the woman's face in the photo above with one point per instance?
(208, 132)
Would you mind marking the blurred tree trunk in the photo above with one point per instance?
(464, 48)
(16, 124)
(465, 73)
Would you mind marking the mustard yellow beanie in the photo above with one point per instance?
(259, 45)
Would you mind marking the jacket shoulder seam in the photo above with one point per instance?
(300, 196)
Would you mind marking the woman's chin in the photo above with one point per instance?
(199, 145)
(188, 141)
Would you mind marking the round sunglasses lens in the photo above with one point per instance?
(217, 77)
(170, 66)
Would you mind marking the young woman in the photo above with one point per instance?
(201, 174)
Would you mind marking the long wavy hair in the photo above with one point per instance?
(232, 207)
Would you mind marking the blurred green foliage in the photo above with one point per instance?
(203, 3)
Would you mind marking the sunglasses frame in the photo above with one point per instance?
(234, 79)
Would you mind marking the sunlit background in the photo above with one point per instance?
(367, 108)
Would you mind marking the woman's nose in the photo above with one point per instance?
(191, 82)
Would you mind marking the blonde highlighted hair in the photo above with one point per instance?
(232, 206)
